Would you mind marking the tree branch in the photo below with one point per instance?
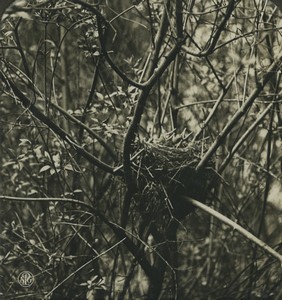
(86, 128)
(179, 18)
(33, 199)
(212, 44)
(137, 253)
(133, 127)
(158, 41)
(119, 232)
(217, 103)
(55, 128)
(102, 36)
(82, 267)
(241, 112)
(235, 226)
(243, 138)
(18, 43)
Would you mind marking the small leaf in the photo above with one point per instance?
(57, 160)
(69, 167)
(99, 96)
(53, 171)
(46, 154)
(38, 152)
(32, 192)
(8, 163)
(89, 295)
(8, 33)
(22, 14)
(32, 242)
(44, 169)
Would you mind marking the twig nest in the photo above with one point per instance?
(164, 172)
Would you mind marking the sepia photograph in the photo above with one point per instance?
(140, 149)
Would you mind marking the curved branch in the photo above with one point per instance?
(109, 60)
(18, 43)
(212, 44)
(33, 199)
(133, 127)
(100, 22)
(235, 226)
(89, 7)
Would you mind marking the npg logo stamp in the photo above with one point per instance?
(26, 279)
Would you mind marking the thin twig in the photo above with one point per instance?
(241, 112)
(83, 266)
(102, 39)
(243, 138)
(18, 43)
(214, 109)
(47, 199)
(212, 44)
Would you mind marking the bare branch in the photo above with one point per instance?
(214, 109)
(211, 46)
(47, 199)
(243, 138)
(179, 18)
(241, 112)
(235, 226)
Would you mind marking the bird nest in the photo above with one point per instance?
(165, 171)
